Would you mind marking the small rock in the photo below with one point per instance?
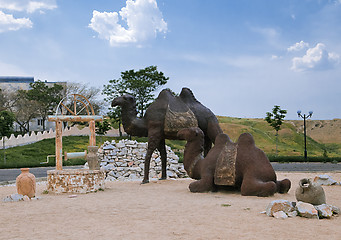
(280, 215)
(26, 198)
(335, 210)
(324, 180)
(13, 198)
(292, 214)
(72, 196)
(306, 210)
(324, 211)
(109, 147)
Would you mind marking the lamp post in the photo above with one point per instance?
(299, 113)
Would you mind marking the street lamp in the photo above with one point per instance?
(299, 113)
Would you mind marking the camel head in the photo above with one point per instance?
(222, 139)
(190, 134)
(126, 100)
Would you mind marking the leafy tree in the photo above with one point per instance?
(6, 126)
(115, 116)
(141, 84)
(6, 123)
(47, 98)
(2, 100)
(102, 127)
(22, 109)
(275, 119)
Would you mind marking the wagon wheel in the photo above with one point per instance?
(74, 104)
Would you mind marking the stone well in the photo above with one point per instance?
(75, 180)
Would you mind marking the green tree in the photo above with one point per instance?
(47, 98)
(275, 119)
(141, 84)
(6, 127)
(115, 116)
(102, 128)
(6, 123)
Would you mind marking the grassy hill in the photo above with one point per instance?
(323, 136)
(324, 140)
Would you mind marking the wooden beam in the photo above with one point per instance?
(76, 118)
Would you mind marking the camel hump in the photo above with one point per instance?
(225, 172)
(169, 101)
(246, 140)
(187, 95)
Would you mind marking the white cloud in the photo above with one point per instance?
(28, 5)
(298, 46)
(143, 18)
(316, 58)
(9, 23)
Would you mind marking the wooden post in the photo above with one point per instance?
(92, 141)
(59, 145)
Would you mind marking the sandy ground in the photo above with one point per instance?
(161, 210)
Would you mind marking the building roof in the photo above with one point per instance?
(15, 79)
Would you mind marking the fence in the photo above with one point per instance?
(13, 141)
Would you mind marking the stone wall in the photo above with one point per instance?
(124, 160)
(75, 180)
(13, 141)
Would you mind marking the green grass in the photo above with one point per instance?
(290, 142)
(290, 145)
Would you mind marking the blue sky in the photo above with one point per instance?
(239, 57)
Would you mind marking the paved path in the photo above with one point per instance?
(40, 172)
(307, 167)
(9, 175)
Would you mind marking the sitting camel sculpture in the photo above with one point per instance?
(241, 165)
(163, 119)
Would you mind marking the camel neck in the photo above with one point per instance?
(132, 124)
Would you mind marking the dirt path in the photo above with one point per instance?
(160, 210)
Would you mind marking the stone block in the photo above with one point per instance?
(75, 180)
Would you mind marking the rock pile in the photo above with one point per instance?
(124, 160)
(19, 197)
(283, 209)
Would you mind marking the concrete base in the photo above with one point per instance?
(75, 180)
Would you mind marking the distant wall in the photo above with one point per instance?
(13, 141)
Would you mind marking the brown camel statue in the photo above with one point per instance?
(241, 165)
(163, 119)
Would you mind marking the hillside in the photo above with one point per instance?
(323, 136)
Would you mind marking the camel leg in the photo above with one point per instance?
(202, 185)
(163, 153)
(154, 138)
(207, 145)
(255, 187)
(205, 184)
(283, 186)
(147, 164)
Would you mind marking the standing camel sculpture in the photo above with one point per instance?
(241, 165)
(163, 119)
